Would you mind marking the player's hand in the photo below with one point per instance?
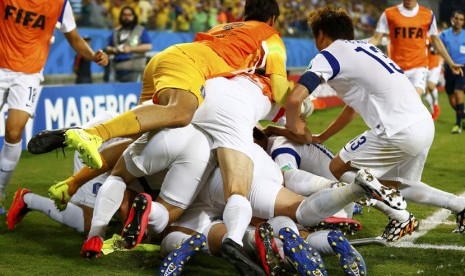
(317, 139)
(456, 69)
(101, 58)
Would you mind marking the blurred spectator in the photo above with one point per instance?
(86, 9)
(199, 19)
(128, 43)
(81, 67)
(146, 11)
(115, 11)
(98, 14)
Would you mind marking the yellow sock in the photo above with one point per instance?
(123, 125)
(83, 175)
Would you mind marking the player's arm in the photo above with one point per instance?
(344, 118)
(376, 38)
(81, 47)
(441, 49)
(276, 68)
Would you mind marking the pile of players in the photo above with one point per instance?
(199, 105)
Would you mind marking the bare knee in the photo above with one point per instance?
(338, 167)
(14, 134)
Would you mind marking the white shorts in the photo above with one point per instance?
(267, 182)
(313, 158)
(19, 90)
(185, 152)
(434, 74)
(230, 110)
(199, 216)
(417, 76)
(398, 158)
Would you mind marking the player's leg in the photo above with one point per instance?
(62, 191)
(458, 93)
(177, 86)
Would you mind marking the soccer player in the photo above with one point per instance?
(454, 40)
(434, 72)
(26, 30)
(408, 26)
(401, 130)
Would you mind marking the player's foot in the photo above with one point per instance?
(174, 263)
(396, 230)
(92, 247)
(3, 210)
(436, 112)
(267, 250)
(456, 130)
(460, 219)
(345, 225)
(59, 194)
(18, 209)
(47, 140)
(305, 259)
(374, 189)
(87, 145)
(350, 260)
(138, 218)
(235, 254)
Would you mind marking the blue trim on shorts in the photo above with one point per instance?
(290, 151)
(332, 62)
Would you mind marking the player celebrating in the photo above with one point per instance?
(408, 25)
(401, 129)
(25, 33)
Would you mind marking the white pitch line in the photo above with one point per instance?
(426, 225)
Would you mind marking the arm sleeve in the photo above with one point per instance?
(321, 66)
(433, 27)
(382, 26)
(276, 68)
(66, 22)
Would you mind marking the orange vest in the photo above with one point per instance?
(408, 37)
(26, 28)
(238, 43)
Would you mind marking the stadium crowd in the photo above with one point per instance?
(201, 15)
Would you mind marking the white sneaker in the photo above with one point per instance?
(374, 189)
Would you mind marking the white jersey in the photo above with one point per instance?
(313, 158)
(372, 84)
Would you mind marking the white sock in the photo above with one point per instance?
(9, 158)
(326, 203)
(109, 198)
(429, 99)
(399, 215)
(237, 215)
(419, 192)
(158, 217)
(72, 216)
(171, 242)
(319, 241)
(305, 183)
(435, 95)
(281, 222)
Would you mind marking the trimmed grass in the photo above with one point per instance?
(40, 246)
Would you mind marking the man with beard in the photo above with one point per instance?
(129, 42)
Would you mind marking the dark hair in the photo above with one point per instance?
(458, 12)
(258, 134)
(136, 18)
(335, 23)
(260, 10)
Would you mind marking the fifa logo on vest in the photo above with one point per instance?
(25, 18)
(409, 32)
